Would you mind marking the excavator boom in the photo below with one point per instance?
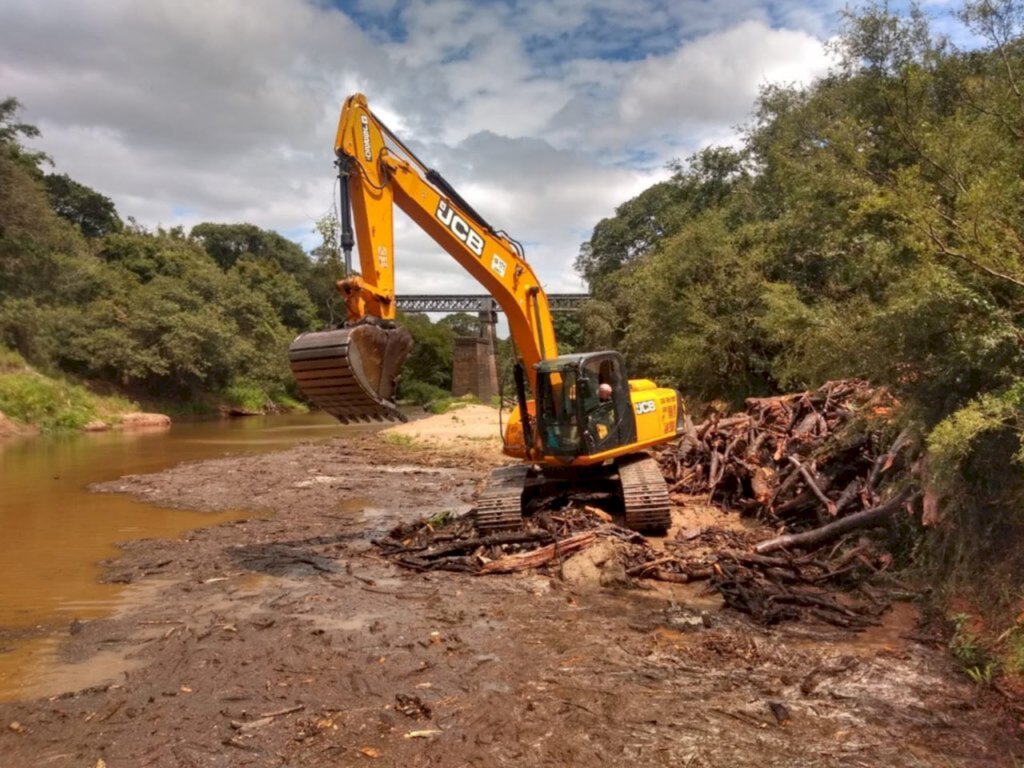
(351, 374)
(580, 420)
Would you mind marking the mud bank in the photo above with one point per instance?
(284, 639)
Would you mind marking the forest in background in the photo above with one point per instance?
(870, 225)
(188, 321)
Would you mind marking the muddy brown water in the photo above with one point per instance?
(54, 532)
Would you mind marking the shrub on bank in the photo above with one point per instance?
(52, 404)
(420, 392)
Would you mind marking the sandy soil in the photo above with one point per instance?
(11, 429)
(467, 427)
(284, 639)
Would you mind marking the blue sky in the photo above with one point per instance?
(545, 116)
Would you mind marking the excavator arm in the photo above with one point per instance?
(582, 420)
(378, 173)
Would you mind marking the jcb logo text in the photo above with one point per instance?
(460, 228)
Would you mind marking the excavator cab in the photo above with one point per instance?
(583, 405)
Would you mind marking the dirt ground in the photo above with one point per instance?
(284, 639)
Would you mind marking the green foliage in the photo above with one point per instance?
(420, 392)
(568, 332)
(246, 395)
(432, 355)
(1015, 653)
(328, 268)
(446, 404)
(11, 361)
(227, 243)
(13, 132)
(94, 214)
(53, 404)
(441, 519)
(953, 440)
(152, 311)
(869, 225)
(461, 324)
(289, 299)
(971, 653)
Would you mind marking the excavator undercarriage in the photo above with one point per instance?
(635, 482)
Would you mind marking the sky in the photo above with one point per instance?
(544, 115)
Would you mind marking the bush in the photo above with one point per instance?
(246, 395)
(53, 404)
(420, 392)
(448, 403)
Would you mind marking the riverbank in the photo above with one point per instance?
(31, 402)
(283, 637)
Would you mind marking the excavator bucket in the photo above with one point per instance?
(350, 372)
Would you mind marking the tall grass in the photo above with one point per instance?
(52, 404)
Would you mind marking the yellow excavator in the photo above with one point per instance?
(580, 426)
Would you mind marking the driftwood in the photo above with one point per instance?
(539, 557)
(819, 465)
(832, 531)
(799, 459)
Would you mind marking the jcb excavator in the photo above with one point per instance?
(586, 424)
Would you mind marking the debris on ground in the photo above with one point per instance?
(801, 459)
(294, 607)
(815, 465)
(547, 537)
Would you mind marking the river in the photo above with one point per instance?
(54, 532)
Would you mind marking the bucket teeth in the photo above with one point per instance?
(350, 372)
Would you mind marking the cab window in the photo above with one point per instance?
(557, 394)
(606, 403)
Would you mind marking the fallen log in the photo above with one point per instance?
(818, 536)
(539, 557)
(468, 545)
(830, 506)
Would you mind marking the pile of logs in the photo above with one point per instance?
(821, 467)
(548, 536)
(773, 588)
(803, 460)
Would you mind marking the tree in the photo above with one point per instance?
(461, 324)
(283, 291)
(94, 214)
(433, 353)
(226, 243)
(13, 132)
(328, 268)
(568, 332)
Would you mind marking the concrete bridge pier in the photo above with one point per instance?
(475, 368)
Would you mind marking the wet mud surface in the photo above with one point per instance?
(284, 639)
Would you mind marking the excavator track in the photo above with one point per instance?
(350, 372)
(644, 495)
(500, 505)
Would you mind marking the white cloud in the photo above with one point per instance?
(189, 110)
(715, 79)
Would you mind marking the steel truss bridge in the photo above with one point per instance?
(558, 302)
